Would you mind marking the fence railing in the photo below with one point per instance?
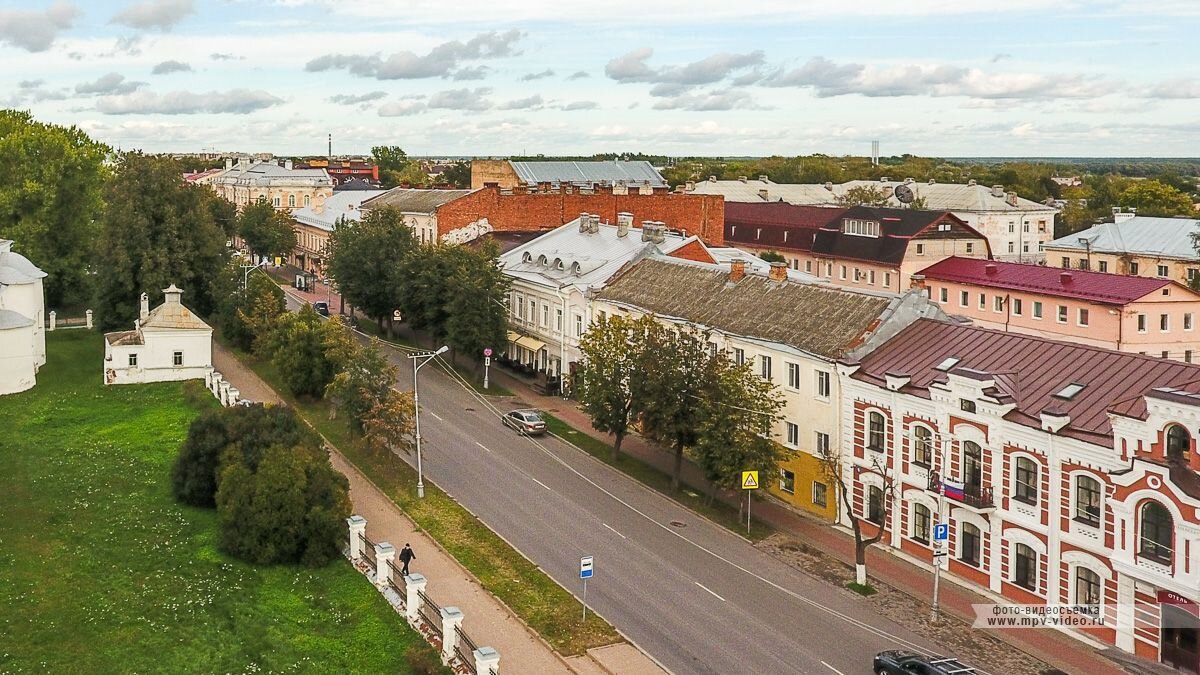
(432, 613)
(464, 649)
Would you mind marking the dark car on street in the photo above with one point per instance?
(528, 422)
(897, 662)
(322, 307)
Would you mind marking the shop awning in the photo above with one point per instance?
(530, 343)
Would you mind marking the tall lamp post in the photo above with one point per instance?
(249, 269)
(944, 441)
(418, 361)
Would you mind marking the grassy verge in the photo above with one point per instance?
(862, 589)
(530, 593)
(101, 571)
(717, 511)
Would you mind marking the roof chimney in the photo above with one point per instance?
(778, 272)
(763, 178)
(647, 230)
(712, 179)
(884, 179)
(829, 186)
(145, 310)
(1011, 198)
(172, 294)
(762, 194)
(908, 181)
(997, 190)
(624, 222)
(287, 164)
(1064, 277)
(971, 182)
(989, 268)
(228, 163)
(737, 270)
(742, 178)
(585, 222)
(1053, 420)
(932, 181)
(1120, 216)
(689, 186)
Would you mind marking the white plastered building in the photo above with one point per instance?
(168, 344)
(22, 321)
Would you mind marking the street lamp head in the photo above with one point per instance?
(441, 350)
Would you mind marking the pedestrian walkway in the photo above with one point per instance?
(1053, 647)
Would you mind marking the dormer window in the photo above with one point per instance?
(541, 260)
(527, 257)
(1178, 442)
(860, 228)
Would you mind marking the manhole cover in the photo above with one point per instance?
(469, 409)
(678, 523)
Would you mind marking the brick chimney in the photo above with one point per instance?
(989, 268)
(1064, 277)
(764, 195)
(778, 272)
(737, 270)
(624, 222)
(145, 309)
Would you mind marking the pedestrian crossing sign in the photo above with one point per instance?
(749, 480)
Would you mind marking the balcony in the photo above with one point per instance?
(974, 496)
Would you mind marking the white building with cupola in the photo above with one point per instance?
(22, 321)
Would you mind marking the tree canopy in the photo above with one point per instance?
(297, 349)
(366, 259)
(1152, 198)
(266, 231)
(612, 351)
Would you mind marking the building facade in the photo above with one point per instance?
(314, 224)
(1067, 474)
(1153, 316)
(420, 209)
(281, 185)
(167, 344)
(22, 321)
(1133, 245)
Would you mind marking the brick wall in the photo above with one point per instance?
(703, 215)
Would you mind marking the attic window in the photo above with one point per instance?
(860, 228)
(947, 364)
(527, 257)
(943, 227)
(1070, 391)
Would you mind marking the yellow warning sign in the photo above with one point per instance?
(749, 480)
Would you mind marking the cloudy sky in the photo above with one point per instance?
(930, 77)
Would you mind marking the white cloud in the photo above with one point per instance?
(1179, 88)
(579, 75)
(112, 83)
(441, 61)
(462, 99)
(632, 67)
(528, 103)
(35, 31)
(354, 99)
(401, 108)
(234, 101)
(530, 77)
(580, 105)
(160, 14)
(171, 66)
(707, 101)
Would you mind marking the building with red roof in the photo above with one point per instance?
(1146, 315)
(1068, 475)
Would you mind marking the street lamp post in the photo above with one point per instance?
(418, 361)
(935, 608)
(249, 269)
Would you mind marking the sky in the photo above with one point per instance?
(1043, 78)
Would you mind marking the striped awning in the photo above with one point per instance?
(530, 343)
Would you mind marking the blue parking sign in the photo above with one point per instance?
(941, 532)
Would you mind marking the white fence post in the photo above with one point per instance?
(223, 396)
(53, 320)
(358, 526)
(88, 314)
(215, 386)
(384, 554)
(452, 618)
(234, 395)
(487, 660)
(414, 584)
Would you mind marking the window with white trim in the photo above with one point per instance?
(793, 375)
(875, 431)
(764, 367)
(822, 384)
(1025, 572)
(793, 434)
(860, 228)
(177, 359)
(822, 444)
(787, 481)
(921, 518)
(1087, 587)
(1026, 473)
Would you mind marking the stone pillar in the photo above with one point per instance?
(414, 584)
(358, 527)
(224, 395)
(208, 380)
(487, 660)
(452, 618)
(234, 395)
(53, 320)
(384, 554)
(88, 314)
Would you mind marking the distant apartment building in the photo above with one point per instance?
(540, 176)
(281, 185)
(866, 248)
(314, 224)
(342, 170)
(1152, 316)
(1134, 245)
(1015, 227)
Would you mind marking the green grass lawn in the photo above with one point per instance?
(102, 572)
(549, 609)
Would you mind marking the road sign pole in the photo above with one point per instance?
(585, 600)
(487, 362)
(748, 493)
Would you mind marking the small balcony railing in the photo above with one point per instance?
(975, 496)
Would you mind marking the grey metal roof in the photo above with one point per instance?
(589, 173)
(937, 196)
(341, 205)
(413, 200)
(15, 269)
(10, 319)
(266, 174)
(1160, 237)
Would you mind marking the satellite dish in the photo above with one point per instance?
(904, 194)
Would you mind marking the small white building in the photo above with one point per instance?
(22, 317)
(168, 344)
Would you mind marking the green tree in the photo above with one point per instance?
(413, 175)
(363, 379)
(266, 231)
(247, 316)
(612, 351)
(772, 256)
(156, 230)
(477, 316)
(391, 160)
(458, 174)
(834, 470)
(296, 346)
(367, 259)
(669, 388)
(739, 409)
(390, 424)
(1152, 198)
(424, 286)
(865, 195)
(50, 197)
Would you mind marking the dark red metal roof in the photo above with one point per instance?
(1031, 370)
(1100, 287)
(776, 225)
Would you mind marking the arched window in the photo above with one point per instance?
(306, 200)
(875, 431)
(1087, 587)
(922, 446)
(1157, 538)
(292, 201)
(972, 467)
(1179, 441)
(971, 545)
(1027, 477)
(1087, 500)
(875, 504)
(1025, 572)
(920, 526)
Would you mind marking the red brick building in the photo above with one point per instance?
(342, 170)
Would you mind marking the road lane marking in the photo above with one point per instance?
(480, 445)
(438, 418)
(540, 483)
(614, 531)
(832, 668)
(709, 590)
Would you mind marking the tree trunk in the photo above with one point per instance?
(742, 506)
(616, 452)
(678, 467)
(860, 574)
(391, 320)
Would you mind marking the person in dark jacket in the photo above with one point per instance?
(406, 556)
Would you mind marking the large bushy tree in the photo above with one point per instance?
(475, 297)
(157, 230)
(297, 349)
(612, 352)
(51, 197)
(366, 259)
(1152, 198)
(391, 160)
(363, 378)
(266, 231)
(247, 315)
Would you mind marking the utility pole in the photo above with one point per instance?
(418, 361)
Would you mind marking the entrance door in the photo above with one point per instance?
(1180, 643)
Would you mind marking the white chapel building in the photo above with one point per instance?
(168, 344)
(22, 316)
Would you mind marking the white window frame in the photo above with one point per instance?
(824, 384)
(793, 376)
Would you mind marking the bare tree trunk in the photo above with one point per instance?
(860, 556)
(678, 467)
(616, 452)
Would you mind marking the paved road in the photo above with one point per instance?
(695, 596)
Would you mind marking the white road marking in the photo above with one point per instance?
(480, 445)
(614, 531)
(435, 416)
(540, 483)
(832, 668)
(709, 590)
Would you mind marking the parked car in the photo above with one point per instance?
(528, 422)
(899, 662)
(322, 307)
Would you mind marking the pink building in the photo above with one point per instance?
(1144, 315)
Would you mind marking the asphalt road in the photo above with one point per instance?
(696, 597)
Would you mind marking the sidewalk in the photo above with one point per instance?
(1053, 647)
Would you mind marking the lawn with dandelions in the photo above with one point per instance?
(101, 571)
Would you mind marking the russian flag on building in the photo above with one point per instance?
(954, 489)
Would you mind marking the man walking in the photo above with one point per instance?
(406, 556)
